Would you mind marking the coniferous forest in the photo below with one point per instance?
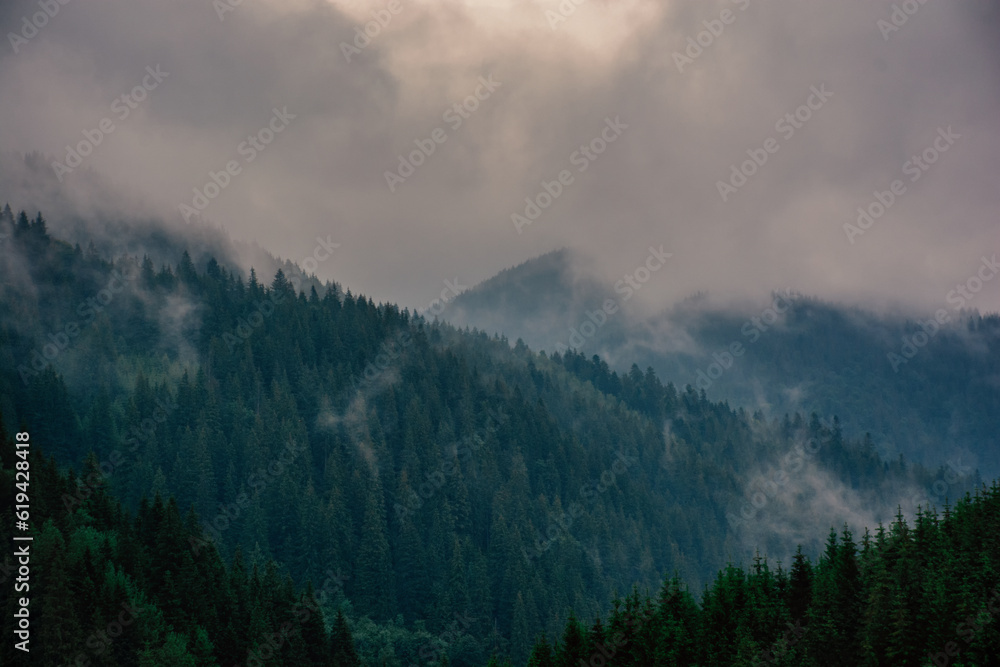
(230, 470)
(499, 333)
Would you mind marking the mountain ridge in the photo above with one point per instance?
(809, 354)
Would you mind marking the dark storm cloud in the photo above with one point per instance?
(656, 184)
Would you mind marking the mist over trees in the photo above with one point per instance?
(232, 453)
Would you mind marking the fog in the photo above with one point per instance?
(663, 119)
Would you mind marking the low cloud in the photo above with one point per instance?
(656, 184)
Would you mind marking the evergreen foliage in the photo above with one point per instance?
(450, 496)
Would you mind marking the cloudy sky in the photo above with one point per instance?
(681, 115)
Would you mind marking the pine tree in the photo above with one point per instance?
(186, 271)
(312, 633)
(573, 647)
(800, 586)
(411, 573)
(520, 639)
(541, 653)
(848, 610)
(375, 591)
(342, 651)
(59, 633)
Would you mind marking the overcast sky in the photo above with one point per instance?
(356, 110)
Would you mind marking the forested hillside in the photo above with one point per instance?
(466, 493)
(919, 386)
(903, 595)
(115, 588)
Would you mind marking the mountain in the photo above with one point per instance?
(103, 218)
(924, 386)
(445, 474)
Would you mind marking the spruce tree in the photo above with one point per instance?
(342, 650)
(374, 588)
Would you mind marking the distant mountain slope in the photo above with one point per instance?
(91, 211)
(544, 292)
(937, 398)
